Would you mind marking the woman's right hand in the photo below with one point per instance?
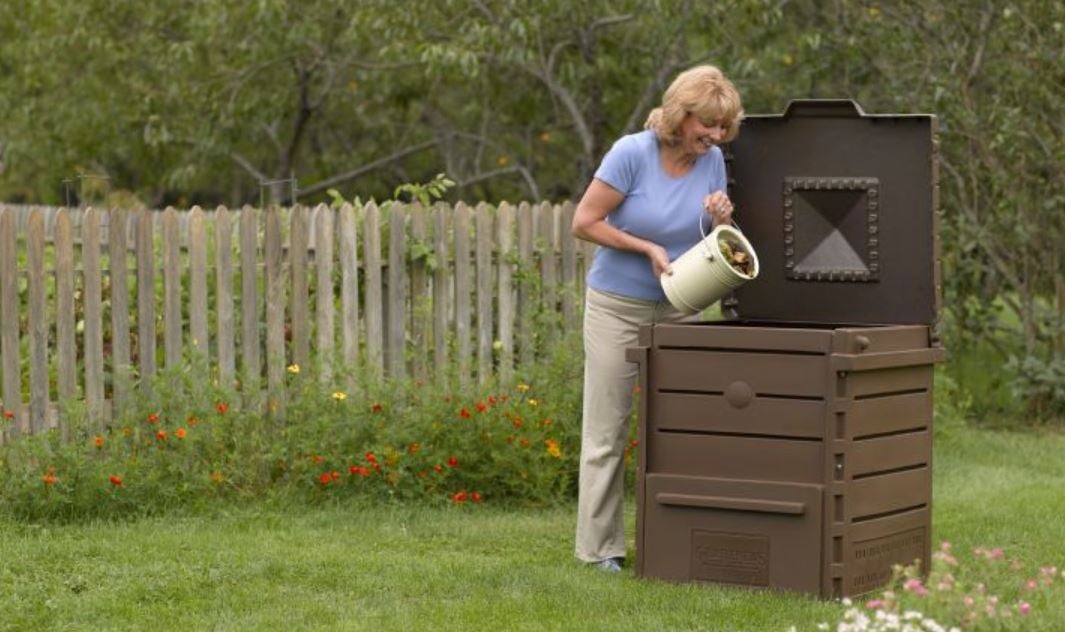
(659, 259)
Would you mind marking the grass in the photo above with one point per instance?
(404, 568)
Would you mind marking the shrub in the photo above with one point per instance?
(190, 443)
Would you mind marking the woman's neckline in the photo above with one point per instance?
(664, 159)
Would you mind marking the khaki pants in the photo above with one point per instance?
(611, 325)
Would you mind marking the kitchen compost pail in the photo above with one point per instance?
(702, 275)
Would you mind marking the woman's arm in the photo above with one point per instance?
(589, 224)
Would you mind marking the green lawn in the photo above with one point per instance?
(403, 568)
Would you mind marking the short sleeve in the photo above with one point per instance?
(620, 165)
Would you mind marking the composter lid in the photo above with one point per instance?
(841, 207)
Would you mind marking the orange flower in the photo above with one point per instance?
(180, 433)
(371, 457)
(375, 408)
(216, 477)
(517, 422)
(476, 497)
(9, 414)
(325, 478)
(465, 414)
(458, 497)
(438, 468)
(115, 480)
(153, 418)
(481, 407)
(492, 399)
(161, 435)
(335, 475)
(414, 447)
(552, 448)
(49, 479)
(221, 407)
(98, 441)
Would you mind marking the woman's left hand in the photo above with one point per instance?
(719, 207)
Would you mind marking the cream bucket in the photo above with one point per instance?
(701, 276)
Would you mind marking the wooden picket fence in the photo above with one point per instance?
(89, 298)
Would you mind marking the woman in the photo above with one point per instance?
(643, 209)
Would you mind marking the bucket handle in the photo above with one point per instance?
(704, 234)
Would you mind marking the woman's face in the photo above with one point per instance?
(698, 136)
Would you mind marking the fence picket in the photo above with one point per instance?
(66, 360)
(197, 244)
(9, 322)
(462, 290)
(483, 258)
(92, 297)
(323, 312)
(441, 288)
(419, 289)
(505, 239)
(145, 299)
(118, 272)
(38, 327)
(548, 267)
(527, 298)
(224, 295)
(173, 327)
(397, 292)
(569, 268)
(297, 257)
(349, 290)
(275, 309)
(251, 312)
(373, 308)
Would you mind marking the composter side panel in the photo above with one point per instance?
(878, 504)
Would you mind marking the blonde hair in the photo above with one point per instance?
(703, 91)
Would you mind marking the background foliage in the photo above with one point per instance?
(203, 103)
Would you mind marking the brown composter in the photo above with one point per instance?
(790, 445)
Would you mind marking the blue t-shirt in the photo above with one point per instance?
(657, 207)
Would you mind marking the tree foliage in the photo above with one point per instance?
(220, 101)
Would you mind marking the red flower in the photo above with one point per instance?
(481, 407)
(371, 457)
(49, 479)
(465, 414)
(517, 422)
(376, 408)
(221, 407)
(452, 462)
(476, 497)
(325, 478)
(153, 418)
(634, 443)
(492, 399)
(9, 414)
(161, 435)
(334, 475)
(115, 480)
(358, 470)
(458, 497)
(98, 441)
(438, 468)
(180, 433)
